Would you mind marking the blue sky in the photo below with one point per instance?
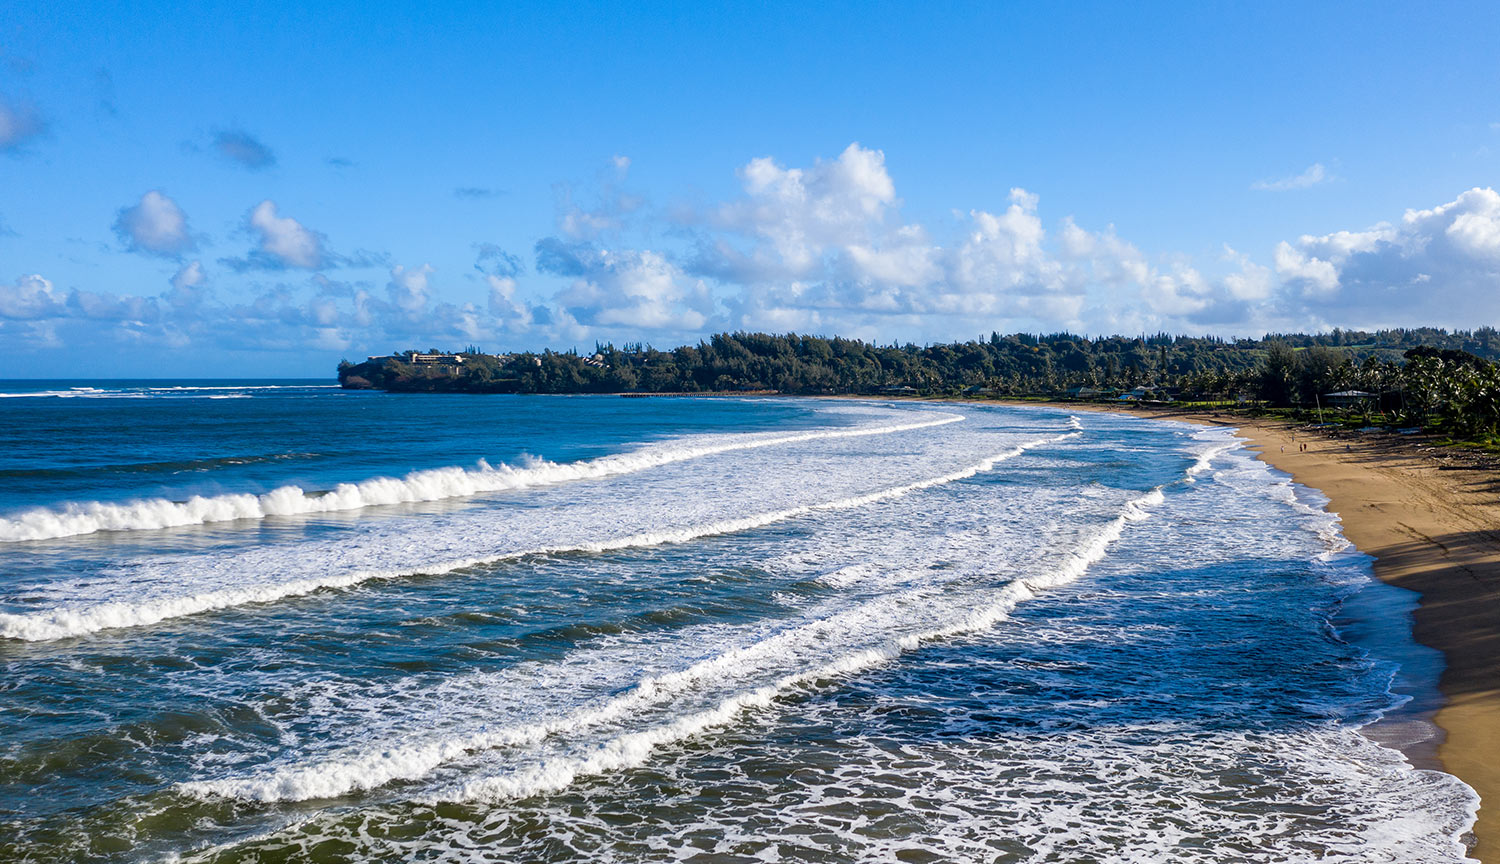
(243, 191)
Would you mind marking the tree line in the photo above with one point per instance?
(1417, 375)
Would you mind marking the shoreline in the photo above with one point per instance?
(1429, 529)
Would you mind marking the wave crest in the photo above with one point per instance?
(435, 484)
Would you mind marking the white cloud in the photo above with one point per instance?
(1110, 259)
(283, 240)
(503, 305)
(127, 309)
(1312, 176)
(408, 288)
(906, 260)
(1253, 282)
(580, 223)
(791, 220)
(823, 248)
(1438, 266)
(187, 286)
(1470, 223)
(1003, 252)
(612, 289)
(155, 225)
(190, 276)
(1315, 275)
(29, 298)
(1179, 293)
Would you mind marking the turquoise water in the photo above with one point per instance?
(266, 621)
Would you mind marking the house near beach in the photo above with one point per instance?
(435, 359)
(418, 359)
(1349, 399)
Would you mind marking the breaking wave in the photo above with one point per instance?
(62, 623)
(436, 484)
(386, 763)
(150, 392)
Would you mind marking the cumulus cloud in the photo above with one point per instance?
(509, 312)
(1004, 251)
(408, 288)
(187, 286)
(315, 314)
(789, 217)
(1438, 265)
(190, 276)
(29, 298)
(640, 290)
(155, 225)
(243, 149)
(282, 241)
(824, 247)
(1468, 225)
(1251, 283)
(20, 122)
(1312, 176)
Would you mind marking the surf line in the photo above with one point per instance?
(635, 748)
(67, 622)
(433, 484)
(391, 762)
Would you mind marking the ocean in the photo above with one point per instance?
(276, 621)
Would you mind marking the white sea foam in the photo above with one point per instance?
(872, 633)
(634, 748)
(148, 392)
(846, 576)
(1280, 487)
(70, 621)
(1114, 724)
(1206, 458)
(428, 485)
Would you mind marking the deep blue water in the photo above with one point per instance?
(306, 624)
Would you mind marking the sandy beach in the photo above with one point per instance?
(1432, 523)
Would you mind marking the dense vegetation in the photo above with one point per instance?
(1418, 375)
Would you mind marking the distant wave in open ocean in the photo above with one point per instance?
(360, 626)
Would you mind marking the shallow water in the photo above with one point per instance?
(677, 629)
